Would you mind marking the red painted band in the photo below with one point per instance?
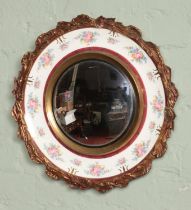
(144, 98)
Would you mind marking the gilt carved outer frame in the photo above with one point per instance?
(163, 71)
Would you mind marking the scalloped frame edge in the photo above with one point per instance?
(163, 71)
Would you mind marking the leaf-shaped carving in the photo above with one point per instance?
(171, 94)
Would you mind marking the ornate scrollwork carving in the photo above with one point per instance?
(163, 71)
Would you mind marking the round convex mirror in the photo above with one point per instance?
(94, 103)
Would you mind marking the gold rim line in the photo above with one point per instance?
(134, 125)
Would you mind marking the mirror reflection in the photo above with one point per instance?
(94, 103)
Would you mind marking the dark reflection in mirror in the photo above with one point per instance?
(94, 103)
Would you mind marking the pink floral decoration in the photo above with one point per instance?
(87, 37)
(136, 54)
(140, 149)
(46, 59)
(152, 126)
(97, 170)
(158, 104)
(32, 104)
(54, 151)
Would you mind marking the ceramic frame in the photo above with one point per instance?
(116, 167)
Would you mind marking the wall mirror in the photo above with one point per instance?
(94, 103)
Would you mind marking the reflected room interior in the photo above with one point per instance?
(94, 103)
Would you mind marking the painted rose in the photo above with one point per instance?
(46, 59)
(157, 104)
(54, 151)
(136, 54)
(97, 170)
(140, 149)
(32, 104)
(87, 37)
(152, 125)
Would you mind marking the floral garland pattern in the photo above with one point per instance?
(136, 55)
(87, 37)
(158, 104)
(54, 151)
(33, 104)
(46, 59)
(97, 170)
(140, 149)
